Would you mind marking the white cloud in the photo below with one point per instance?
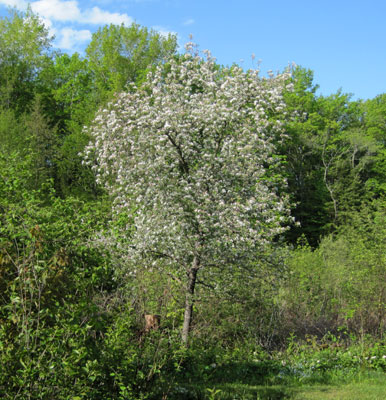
(57, 10)
(188, 22)
(69, 11)
(22, 4)
(98, 16)
(71, 39)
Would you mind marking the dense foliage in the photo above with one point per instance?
(191, 168)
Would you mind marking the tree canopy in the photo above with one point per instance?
(192, 151)
(120, 54)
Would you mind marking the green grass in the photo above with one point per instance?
(349, 392)
(355, 391)
(369, 387)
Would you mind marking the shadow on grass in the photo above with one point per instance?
(236, 380)
(269, 380)
(247, 373)
(255, 392)
(233, 392)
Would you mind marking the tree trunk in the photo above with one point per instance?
(189, 299)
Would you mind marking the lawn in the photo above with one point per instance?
(372, 387)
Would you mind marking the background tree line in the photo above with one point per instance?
(71, 317)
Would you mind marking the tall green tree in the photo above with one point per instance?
(42, 142)
(374, 126)
(328, 156)
(120, 54)
(24, 50)
(305, 177)
(68, 92)
(69, 99)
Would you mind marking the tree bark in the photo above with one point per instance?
(189, 299)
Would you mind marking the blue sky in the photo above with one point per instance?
(342, 41)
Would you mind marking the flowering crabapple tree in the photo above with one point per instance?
(193, 150)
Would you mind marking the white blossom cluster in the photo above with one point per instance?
(192, 150)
